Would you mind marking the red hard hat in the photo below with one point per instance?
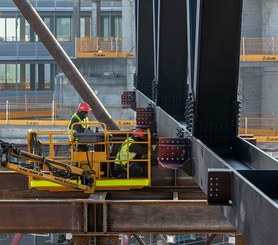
(140, 133)
(84, 107)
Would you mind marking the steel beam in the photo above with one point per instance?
(145, 54)
(254, 208)
(250, 198)
(111, 217)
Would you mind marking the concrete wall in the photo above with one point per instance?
(259, 81)
(250, 88)
(270, 18)
(269, 98)
(107, 78)
(252, 18)
(128, 25)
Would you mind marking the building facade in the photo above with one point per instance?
(27, 68)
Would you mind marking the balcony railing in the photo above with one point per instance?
(102, 47)
(251, 49)
(259, 49)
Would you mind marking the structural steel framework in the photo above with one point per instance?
(238, 179)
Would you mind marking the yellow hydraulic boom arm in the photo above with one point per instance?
(58, 172)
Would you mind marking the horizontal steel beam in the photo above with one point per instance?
(250, 197)
(111, 217)
(136, 211)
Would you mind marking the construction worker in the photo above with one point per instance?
(130, 150)
(81, 116)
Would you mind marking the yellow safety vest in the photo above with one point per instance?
(85, 121)
(123, 154)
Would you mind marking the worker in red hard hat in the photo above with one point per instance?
(81, 116)
(129, 150)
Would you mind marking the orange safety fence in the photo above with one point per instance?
(251, 48)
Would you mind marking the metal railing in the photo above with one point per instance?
(259, 123)
(43, 110)
(251, 49)
(103, 47)
(259, 49)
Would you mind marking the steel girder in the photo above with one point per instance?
(111, 217)
(253, 208)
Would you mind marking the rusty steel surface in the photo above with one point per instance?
(65, 63)
(25, 216)
(157, 209)
(82, 216)
(166, 216)
(13, 181)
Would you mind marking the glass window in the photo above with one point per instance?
(111, 26)
(82, 27)
(11, 73)
(27, 77)
(2, 73)
(47, 79)
(27, 31)
(46, 20)
(118, 26)
(11, 30)
(106, 26)
(63, 29)
(2, 30)
(85, 27)
(23, 30)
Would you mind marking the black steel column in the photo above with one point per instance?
(216, 84)
(145, 46)
(172, 57)
(191, 24)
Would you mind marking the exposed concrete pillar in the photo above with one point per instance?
(269, 89)
(128, 25)
(252, 18)
(251, 88)
(52, 76)
(96, 19)
(22, 76)
(32, 77)
(41, 77)
(76, 18)
(269, 18)
(22, 29)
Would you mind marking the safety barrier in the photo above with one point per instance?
(251, 49)
(28, 110)
(104, 47)
(259, 49)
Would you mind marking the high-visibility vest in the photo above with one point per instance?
(123, 154)
(85, 121)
